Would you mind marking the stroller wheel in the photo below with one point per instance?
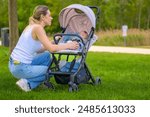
(49, 85)
(72, 87)
(97, 81)
(75, 87)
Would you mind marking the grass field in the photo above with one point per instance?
(124, 77)
(135, 37)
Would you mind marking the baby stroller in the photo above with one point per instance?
(69, 66)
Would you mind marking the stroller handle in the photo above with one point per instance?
(98, 11)
(62, 34)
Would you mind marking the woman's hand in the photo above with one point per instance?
(72, 45)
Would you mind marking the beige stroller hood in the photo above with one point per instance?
(76, 18)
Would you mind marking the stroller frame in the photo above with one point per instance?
(70, 78)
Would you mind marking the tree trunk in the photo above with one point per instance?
(139, 18)
(140, 2)
(13, 24)
(148, 19)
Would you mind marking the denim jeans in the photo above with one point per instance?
(34, 73)
(66, 67)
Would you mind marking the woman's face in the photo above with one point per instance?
(47, 18)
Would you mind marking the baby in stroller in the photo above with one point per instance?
(83, 34)
(64, 65)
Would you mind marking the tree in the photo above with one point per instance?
(4, 13)
(13, 23)
(140, 4)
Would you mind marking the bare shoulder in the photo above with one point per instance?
(37, 27)
(37, 30)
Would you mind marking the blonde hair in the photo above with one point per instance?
(38, 11)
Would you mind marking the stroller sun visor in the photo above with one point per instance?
(76, 18)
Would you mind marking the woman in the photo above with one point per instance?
(26, 63)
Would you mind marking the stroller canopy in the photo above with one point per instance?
(76, 18)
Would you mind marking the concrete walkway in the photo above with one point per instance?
(119, 49)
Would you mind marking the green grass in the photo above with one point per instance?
(118, 40)
(124, 77)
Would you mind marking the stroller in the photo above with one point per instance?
(73, 19)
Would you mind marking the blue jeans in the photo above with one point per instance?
(66, 67)
(34, 73)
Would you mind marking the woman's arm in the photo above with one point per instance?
(39, 32)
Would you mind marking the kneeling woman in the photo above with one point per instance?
(29, 61)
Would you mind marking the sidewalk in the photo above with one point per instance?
(119, 49)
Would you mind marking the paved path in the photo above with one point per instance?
(119, 49)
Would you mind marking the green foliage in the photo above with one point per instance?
(118, 40)
(3, 14)
(134, 37)
(110, 41)
(114, 13)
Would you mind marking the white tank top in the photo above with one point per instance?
(26, 48)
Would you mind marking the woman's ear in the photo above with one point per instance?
(42, 16)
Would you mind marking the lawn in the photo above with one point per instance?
(124, 77)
